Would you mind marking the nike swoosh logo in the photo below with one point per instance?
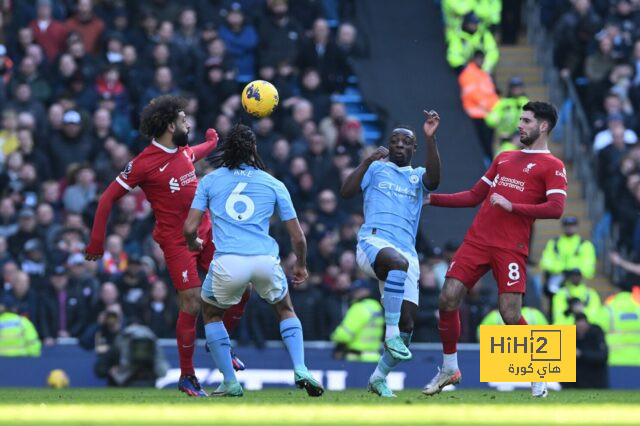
(164, 167)
(510, 283)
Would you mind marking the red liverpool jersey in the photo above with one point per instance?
(522, 177)
(169, 181)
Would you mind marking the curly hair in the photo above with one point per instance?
(240, 148)
(159, 113)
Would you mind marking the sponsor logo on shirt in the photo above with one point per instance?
(174, 185)
(401, 191)
(508, 182)
(414, 179)
(188, 178)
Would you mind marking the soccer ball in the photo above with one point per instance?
(259, 98)
(58, 379)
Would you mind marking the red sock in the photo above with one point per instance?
(186, 337)
(522, 321)
(449, 328)
(233, 314)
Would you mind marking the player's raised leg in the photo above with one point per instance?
(449, 329)
(391, 267)
(378, 380)
(291, 332)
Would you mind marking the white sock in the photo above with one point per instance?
(392, 331)
(450, 362)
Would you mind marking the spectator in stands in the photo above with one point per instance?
(81, 190)
(566, 252)
(48, 32)
(504, 117)
(133, 287)
(241, 39)
(89, 26)
(330, 126)
(19, 297)
(279, 34)
(161, 314)
(599, 63)
(8, 225)
(359, 335)
(572, 288)
(28, 74)
(591, 356)
(18, 336)
(26, 231)
(479, 96)
(463, 44)
(348, 40)
(615, 124)
(8, 134)
(34, 263)
(63, 312)
(573, 34)
(70, 146)
(426, 321)
(321, 53)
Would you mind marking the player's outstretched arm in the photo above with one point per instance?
(190, 229)
(113, 193)
(351, 185)
(210, 143)
(470, 198)
(550, 209)
(299, 244)
(431, 179)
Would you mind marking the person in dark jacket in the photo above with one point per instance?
(591, 354)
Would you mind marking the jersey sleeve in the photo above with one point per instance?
(286, 211)
(201, 199)
(491, 173)
(366, 179)
(421, 171)
(132, 175)
(556, 179)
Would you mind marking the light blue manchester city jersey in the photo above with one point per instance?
(241, 203)
(392, 203)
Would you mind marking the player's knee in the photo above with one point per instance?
(190, 302)
(399, 263)
(447, 300)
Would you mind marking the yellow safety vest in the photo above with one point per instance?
(623, 330)
(18, 336)
(361, 331)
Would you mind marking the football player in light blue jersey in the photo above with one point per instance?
(242, 198)
(393, 194)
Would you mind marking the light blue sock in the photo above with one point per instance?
(387, 362)
(291, 332)
(392, 301)
(220, 346)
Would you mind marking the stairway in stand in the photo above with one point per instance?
(519, 60)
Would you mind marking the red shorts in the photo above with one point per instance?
(183, 264)
(472, 261)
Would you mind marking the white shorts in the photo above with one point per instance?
(230, 274)
(366, 252)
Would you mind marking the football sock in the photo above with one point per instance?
(291, 332)
(219, 344)
(392, 301)
(387, 362)
(186, 339)
(233, 315)
(522, 321)
(449, 329)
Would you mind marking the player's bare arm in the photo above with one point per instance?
(190, 229)
(299, 244)
(351, 185)
(431, 179)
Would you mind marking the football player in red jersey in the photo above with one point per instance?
(165, 172)
(519, 187)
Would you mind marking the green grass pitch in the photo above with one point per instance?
(292, 406)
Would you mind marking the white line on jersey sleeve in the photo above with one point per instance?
(487, 181)
(557, 191)
(123, 183)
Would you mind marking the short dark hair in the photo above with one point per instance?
(240, 148)
(159, 113)
(543, 111)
